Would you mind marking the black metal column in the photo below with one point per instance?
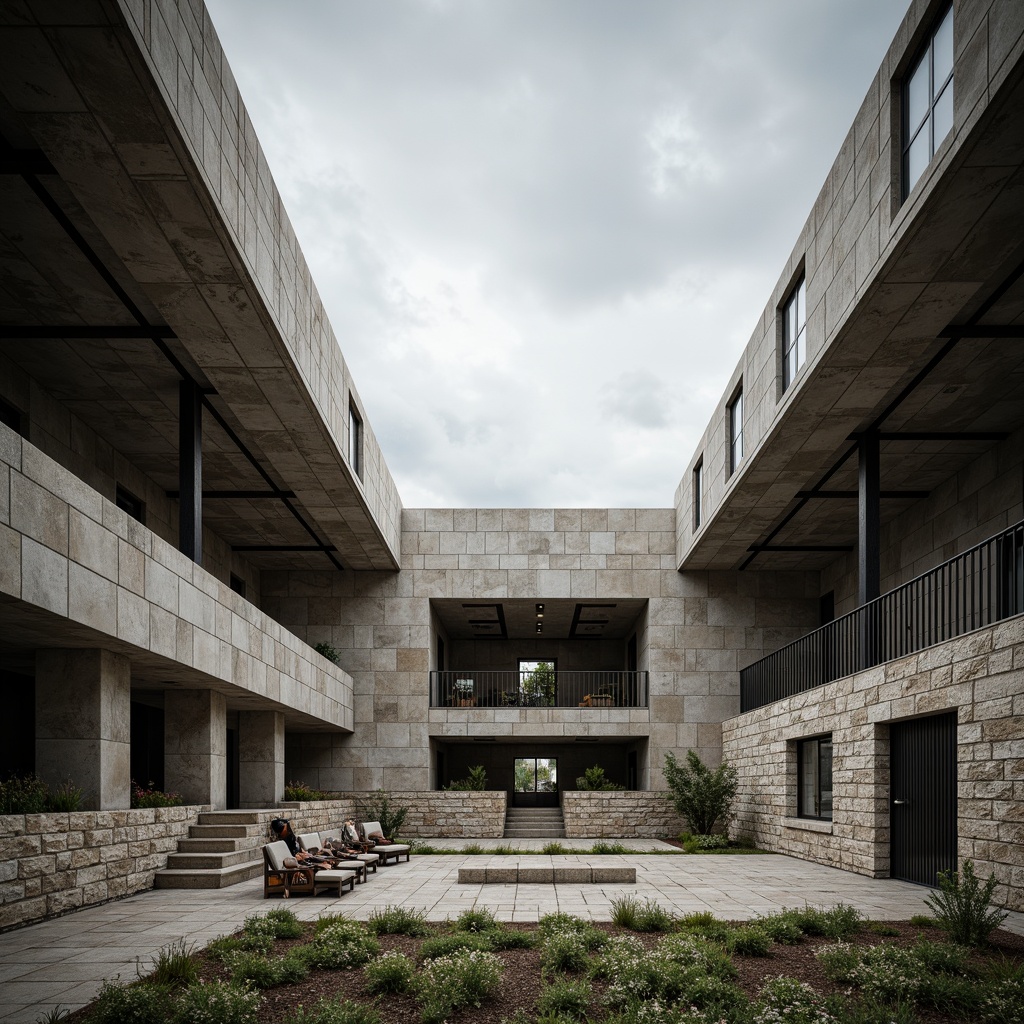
(190, 470)
(868, 519)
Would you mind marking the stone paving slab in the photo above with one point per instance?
(63, 962)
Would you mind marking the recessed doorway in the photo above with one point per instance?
(536, 782)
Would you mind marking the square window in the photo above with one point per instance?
(794, 333)
(127, 502)
(10, 416)
(814, 772)
(928, 102)
(736, 431)
(698, 493)
(355, 440)
(237, 584)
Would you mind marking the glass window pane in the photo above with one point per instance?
(942, 50)
(808, 777)
(917, 158)
(826, 778)
(918, 96)
(801, 353)
(943, 116)
(801, 304)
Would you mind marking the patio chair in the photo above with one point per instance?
(390, 851)
(335, 877)
(370, 860)
(279, 880)
(310, 841)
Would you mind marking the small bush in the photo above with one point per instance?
(214, 1002)
(705, 924)
(448, 945)
(475, 781)
(153, 797)
(391, 972)
(609, 848)
(328, 1011)
(398, 921)
(65, 798)
(380, 808)
(299, 792)
(22, 794)
(1001, 1001)
(131, 1004)
(479, 919)
(696, 843)
(565, 999)
(792, 1001)
(842, 921)
(748, 941)
(568, 924)
(461, 979)
(509, 938)
(223, 947)
(594, 779)
(629, 912)
(962, 906)
(555, 848)
(259, 971)
(340, 945)
(781, 927)
(881, 928)
(175, 966)
(700, 795)
(473, 849)
(922, 921)
(328, 651)
(564, 951)
(279, 923)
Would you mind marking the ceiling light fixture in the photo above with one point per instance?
(540, 627)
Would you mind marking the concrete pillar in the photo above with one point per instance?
(260, 758)
(83, 724)
(196, 746)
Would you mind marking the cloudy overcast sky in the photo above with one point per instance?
(544, 230)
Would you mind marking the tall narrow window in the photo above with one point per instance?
(928, 102)
(815, 778)
(794, 333)
(698, 493)
(355, 441)
(736, 431)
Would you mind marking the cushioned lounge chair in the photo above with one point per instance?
(390, 851)
(369, 859)
(312, 841)
(279, 880)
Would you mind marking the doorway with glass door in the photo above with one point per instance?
(536, 782)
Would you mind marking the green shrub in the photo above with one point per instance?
(748, 941)
(696, 843)
(328, 1011)
(922, 921)
(609, 848)
(299, 792)
(153, 797)
(504, 849)
(781, 927)
(398, 921)
(214, 1002)
(549, 924)
(380, 808)
(260, 971)
(279, 923)
(131, 1004)
(1001, 1001)
(962, 906)
(704, 923)
(65, 798)
(447, 945)
(328, 651)
(473, 849)
(22, 794)
(509, 938)
(555, 848)
(700, 795)
(881, 928)
(390, 972)
(339, 945)
(175, 966)
(629, 912)
(564, 951)
(54, 1015)
(460, 979)
(565, 999)
(792, 1001)
(475, 781)
(842, 921)
(594, 779)
(220, 948)
(478, 919)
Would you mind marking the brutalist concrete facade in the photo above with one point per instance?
(153, 266)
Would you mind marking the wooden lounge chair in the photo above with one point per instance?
(370, 860)
(388, 851)
(310, 841)
(279, 880)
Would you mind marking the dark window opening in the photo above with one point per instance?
(794, 333)
(440, 653)
(237, 584)
(127, 502)
(355, 441)
(736, 431)
(698, 494)
(814, 772)
(10, 416)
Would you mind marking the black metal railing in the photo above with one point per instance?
(976, 588)
(511, 689)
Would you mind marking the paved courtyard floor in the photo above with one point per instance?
(63, 962)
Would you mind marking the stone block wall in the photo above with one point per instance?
(622, 814)
(53, 863)
(980, 676)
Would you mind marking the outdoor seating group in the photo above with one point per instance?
(285, 876)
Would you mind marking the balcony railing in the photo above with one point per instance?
(976, 588)
(506, 689)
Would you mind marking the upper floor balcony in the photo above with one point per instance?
(976, 588)
(465, 688)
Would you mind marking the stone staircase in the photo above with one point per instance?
(225, 847)
(534, 823)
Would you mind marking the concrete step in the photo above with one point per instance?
(228, 832)
(535, 815)
(233, 818)
(207, 878)
(218, 845)
(201, 861)
(534, 833)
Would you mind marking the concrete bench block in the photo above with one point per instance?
(536, 876)
(617, 874)
(469, 876)
(502, 876)
(574, 876)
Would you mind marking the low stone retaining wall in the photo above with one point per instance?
(578, 874)
(620, 814)
(52, 863)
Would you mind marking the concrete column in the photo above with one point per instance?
(196, 746)
(260, 758)
(83, 724)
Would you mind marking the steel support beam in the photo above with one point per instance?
(869, 518)
(190, 470)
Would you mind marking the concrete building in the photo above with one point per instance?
(191, 494)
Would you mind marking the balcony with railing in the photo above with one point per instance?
(977, 588)
(465, 688)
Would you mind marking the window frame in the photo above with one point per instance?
(819, 789)
(797, 295)
(130, 503)
(355, 439)
(909, 134)
(735, 427)
(697, 486)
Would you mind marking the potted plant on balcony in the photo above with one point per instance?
(464, 693)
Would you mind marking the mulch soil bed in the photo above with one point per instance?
(521, 978)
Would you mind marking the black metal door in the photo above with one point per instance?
(922, 811)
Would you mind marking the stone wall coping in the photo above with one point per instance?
(809, 824)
